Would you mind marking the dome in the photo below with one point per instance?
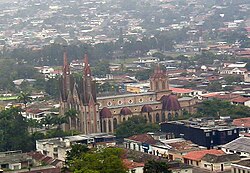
(146, 108)
(125, 111)
(105, 113)
(170, 103)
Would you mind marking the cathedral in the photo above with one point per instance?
(103, 114)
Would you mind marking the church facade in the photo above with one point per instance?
(103, 114)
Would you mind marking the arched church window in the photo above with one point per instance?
(156, 85)
(169, 117)
(163, 85)
(110, 126)
(157, 118)
(163, 118)
(150, 118)
(104, 126)
(115, 123)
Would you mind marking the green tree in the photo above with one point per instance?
(14, 131)
(101, 68)
(214, 86)
(106, 160)
(33, 124)
(24, 98)
(153, 166)
(47, 121)
(135, 125)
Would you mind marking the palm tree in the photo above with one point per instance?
(24, 98)
(47, 121)
(33, 123)
(71, 113)
(59, 120)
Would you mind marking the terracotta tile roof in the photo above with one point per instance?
(242, 122)
(143, 138)
(131, 165)
(198, 155)
(240, 99)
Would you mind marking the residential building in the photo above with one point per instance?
(217, 163)
(242, 166)
(240, 146)
(57, 147)
(204, 133)
(194, 157)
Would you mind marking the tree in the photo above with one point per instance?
(75, 152)
(135, 125)
(14, 131)
(107, 160)
(33, 123)
(214, 86)
(47, 121)
(24, 98)
(153, 166)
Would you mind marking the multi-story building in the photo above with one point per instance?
(201, 134)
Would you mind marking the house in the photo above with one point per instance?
(241, 101)
(213, 162)
(142, 143)
(133, 167)
(14, 160)
(240, 146)
(242, 123)
(181, 148)
(242, 166)
(194, 157)
(57, 148)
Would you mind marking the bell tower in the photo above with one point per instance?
(159, 82)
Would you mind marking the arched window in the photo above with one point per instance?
(157, 118)
(124, 119)
(156, 85)
(169, 117)
(163, 118)
(115, 123)
(176, 116)
(104, 126)
(163, 85)
(150, 118)
(110, 126)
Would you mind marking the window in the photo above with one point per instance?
(229, 132)
(207, 134)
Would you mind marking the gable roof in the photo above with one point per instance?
(198, 155)
(241, 144)
(143, 138)
(211, 158)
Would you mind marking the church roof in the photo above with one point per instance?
(125, 111)
(146, 108)
(170, 103)
(105, 113)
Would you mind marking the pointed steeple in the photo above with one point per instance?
(66, 70)
(87, 70)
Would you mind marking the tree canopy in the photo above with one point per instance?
(135, 125)
(153, 166)
(216, 108)
(107, 160)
